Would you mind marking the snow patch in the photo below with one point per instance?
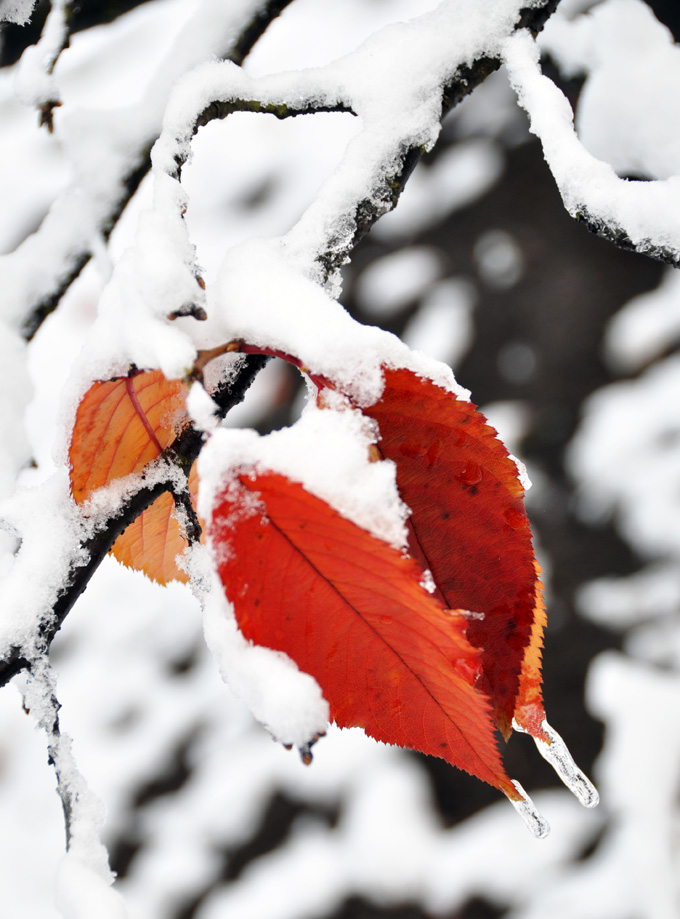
(17, 11)
(286, 701)
(327, 451)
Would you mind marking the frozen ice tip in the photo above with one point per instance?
(556, 753)
(525, 807)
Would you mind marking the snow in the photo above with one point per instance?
(100, 144)
(34, 82)
(638, 62)
(635, 868)
(31, 586)
(442, 328)
(440, 868)
(260, 194)
(645, 326)
(144, 707)
(391, 83)
(202, 410)
(305, 35)
(455, 180)
(18, 11)
(327, 451)
(646, 212)
(619, 603)
(14, 451)
(626, 456)
(83, 879)
(80, 892)
(258, 274)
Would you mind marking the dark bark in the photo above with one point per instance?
(618, 236)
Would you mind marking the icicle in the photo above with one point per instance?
(525, 807)
(555, 751)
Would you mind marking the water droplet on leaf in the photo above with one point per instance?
(470, 474)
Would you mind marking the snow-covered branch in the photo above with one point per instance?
(35, 83)
(642, 216)
(110, 154)
(32, 617)
(399, 84)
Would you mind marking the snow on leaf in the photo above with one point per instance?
(152, 542)
(121, 426)
(349, 609)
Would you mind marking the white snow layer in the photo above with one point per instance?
(327, 451)
(645, 326)
(628, 58)
(128, 643)
(18, 11)
(648, 213)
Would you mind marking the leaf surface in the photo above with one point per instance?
(152, 542)
(349, 610)
(468, 527)
(121, 426)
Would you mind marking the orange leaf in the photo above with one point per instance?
(349, 610)
(469, 528)
(121, 426)
(152, 542)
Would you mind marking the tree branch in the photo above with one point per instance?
(386, 196)
(80, 255)
(185, 449)
(613, 233)
(636, 216)
(179, 456)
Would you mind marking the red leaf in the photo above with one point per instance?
(349, 610)
(469, 528)
(121, 426)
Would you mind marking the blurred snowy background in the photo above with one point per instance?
(567, 343)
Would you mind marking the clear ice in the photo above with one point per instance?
(525, 807)
(556, 753)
